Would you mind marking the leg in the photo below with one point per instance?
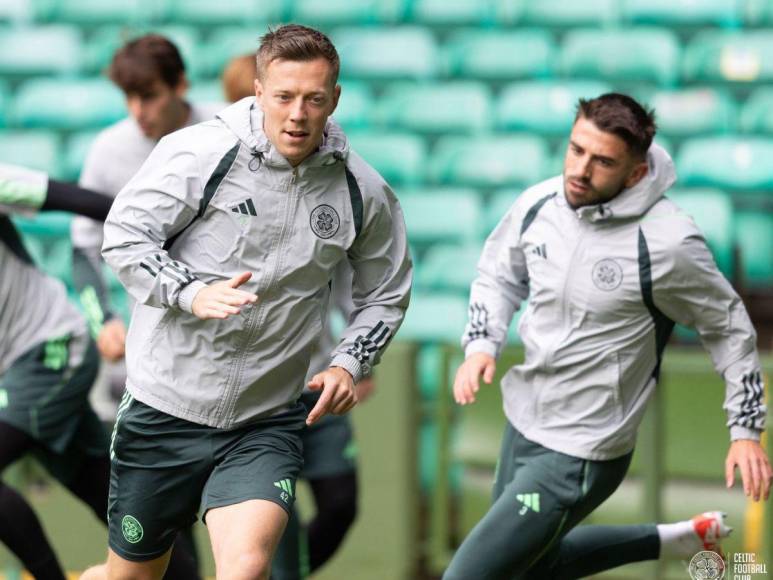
(336, 500)
(291, 559)
(20, 528)
(119, 568)
(244, 537)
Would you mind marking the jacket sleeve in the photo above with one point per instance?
(694, 293)
(158, 203)
(501, 286)
(381, 286)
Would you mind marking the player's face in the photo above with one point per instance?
(598, 165)
(159, 109)
(297, 97)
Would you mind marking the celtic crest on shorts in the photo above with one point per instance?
(132, 529)
(324, 221)
(707, 566)
(607, 274)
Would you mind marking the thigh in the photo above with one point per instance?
(528, 516)
(261, 461)
(159, 465)
(118, 568)
(244, 537)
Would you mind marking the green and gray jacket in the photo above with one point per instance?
(217, 199)
(605, 285)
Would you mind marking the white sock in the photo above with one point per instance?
(679, 540)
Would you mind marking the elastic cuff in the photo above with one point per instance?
(351, 364)
(187, 294)
(481, 345)
(737, 432)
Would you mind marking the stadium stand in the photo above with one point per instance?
(757, 112)
(35, 149)
(426, 225)
(730, 56)
(243, 12)
(399, 157)
(724, 13)
(734, 163)
(40, 50)
(557, 14)
(755, 238)
(348, 12)
(695, 111)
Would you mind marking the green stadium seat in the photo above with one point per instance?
(226, 43)
(98, 12)
(434, 317)
(387, 53)
(437, 108)
(347, 12)
(546, 107)
(106, 40)
(206, 12)
(454, 12)
(17, 11)
(499, 204)
(41, 50)
(734, 57)
(712, 210)
(733, 163)
(694, 111)
(355, 107)
(754, 231)
(625, 55)
(725, 13)
(448, 268)
(499, 55)
(77, 148)
(400, 158)
(33, 149)
(68, 104)
(757, 112)
(492, 161)
(205, 92)
(5, 100)
(758, 12)
(559, 13)
(453, 218)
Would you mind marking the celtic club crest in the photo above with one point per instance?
(607, 275)
(324, 221)
(132, 529)
(707, 566)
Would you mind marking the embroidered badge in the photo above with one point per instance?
(607, 275)
(324, 221)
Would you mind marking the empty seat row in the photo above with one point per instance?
(436, 108)
(552, 13)
(640, 54)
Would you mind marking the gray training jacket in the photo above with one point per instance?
(605, 285)
(217, 199)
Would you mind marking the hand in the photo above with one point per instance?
(466, 381)
(364, 389)
(222, 299)
(753, 462)
(337, 396)
(111, 340)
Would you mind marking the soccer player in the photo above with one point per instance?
(329, 462)
(228, 237)
(151, 73)
(48, 363)
(608, 265)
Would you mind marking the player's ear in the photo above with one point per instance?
(639, 171)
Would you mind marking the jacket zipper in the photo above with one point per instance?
(255, 319)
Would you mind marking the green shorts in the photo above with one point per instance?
(165, 469)
(46, 397)
(328, 445)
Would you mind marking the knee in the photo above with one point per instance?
(256, 566)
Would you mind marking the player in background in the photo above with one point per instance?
(48, 364)
(609, 265)
(329, 451)
(228, 237)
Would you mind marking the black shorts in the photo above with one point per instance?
(164, 469)
(45, 395)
